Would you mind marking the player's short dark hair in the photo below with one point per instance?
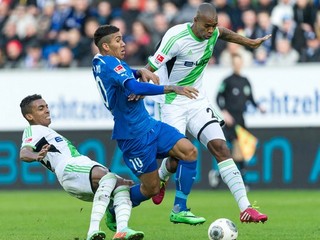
(103, 31)
(25, 104)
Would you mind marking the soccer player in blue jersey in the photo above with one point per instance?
(141, 138)
(181, 59)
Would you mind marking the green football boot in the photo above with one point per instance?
(186, 217)
(128, 234)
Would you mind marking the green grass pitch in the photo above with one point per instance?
(54, 215)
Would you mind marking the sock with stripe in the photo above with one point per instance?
(232, 177)
(122, 206)
(185, 176)
(101, 200)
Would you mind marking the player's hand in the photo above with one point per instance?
(147, 75)
(43, 152)
(189, 92)
(258, 41)
(133, 97)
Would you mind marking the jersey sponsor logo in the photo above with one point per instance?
(119, 69)
(58, 139)
(28, 140)
(159, 58)
(200, 62)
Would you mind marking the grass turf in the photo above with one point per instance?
(53, 215)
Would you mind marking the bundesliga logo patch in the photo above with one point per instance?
(119, 69)
(159, 58)
(28, 140)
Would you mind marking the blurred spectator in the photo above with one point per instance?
(249, 30)
(104, 12)
(281, 10)
(317, 25)
(291, 31)
(33, 58)
(80, 12)
(134, 56)
(235, 49)
(264, 28)
(260, 56)
(151, 9)
(284, 54)
(23, 20)
(311, 53)
(131, 12)
(4, 15)
(240, 8)
(66, 59)
(2, 59)
(142, 37)
(87, 49)
(60, 15)
(121, 24)
(9, 33)
(304, 14)
(187, 11)
(222, 6)
(161, 25)
(170, 10)
(44, 20)
(265, 6)
(223, 21)
(14, 54)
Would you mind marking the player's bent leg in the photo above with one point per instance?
(128, 234)
(101, 201)
(97, 235)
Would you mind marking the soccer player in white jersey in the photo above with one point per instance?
(182, 56)
(78, 175)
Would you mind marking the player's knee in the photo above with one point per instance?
(219, 149)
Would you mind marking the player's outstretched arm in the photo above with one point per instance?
(230, 36)
(189, 92)
(28, 155)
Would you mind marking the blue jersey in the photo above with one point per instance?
(131, 119)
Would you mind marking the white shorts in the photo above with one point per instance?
(74, 177)
(198, 117)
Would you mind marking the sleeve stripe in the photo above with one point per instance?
(173, 39)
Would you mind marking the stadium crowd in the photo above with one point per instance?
(50, 34)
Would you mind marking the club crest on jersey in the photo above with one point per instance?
(119, 69)
(159, 58)
(58, 139)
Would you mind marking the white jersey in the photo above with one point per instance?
(61, 151)
(181, 59)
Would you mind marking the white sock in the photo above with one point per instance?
(101, 200)
(232, 177)
(164, 174)
(123, 206)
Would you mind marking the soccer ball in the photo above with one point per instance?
(222, 229)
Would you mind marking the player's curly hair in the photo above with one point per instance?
(102, 32)
(26, 102)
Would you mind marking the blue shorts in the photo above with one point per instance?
(140, 154)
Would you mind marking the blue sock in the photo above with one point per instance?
(136, 196)
(185, 176)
